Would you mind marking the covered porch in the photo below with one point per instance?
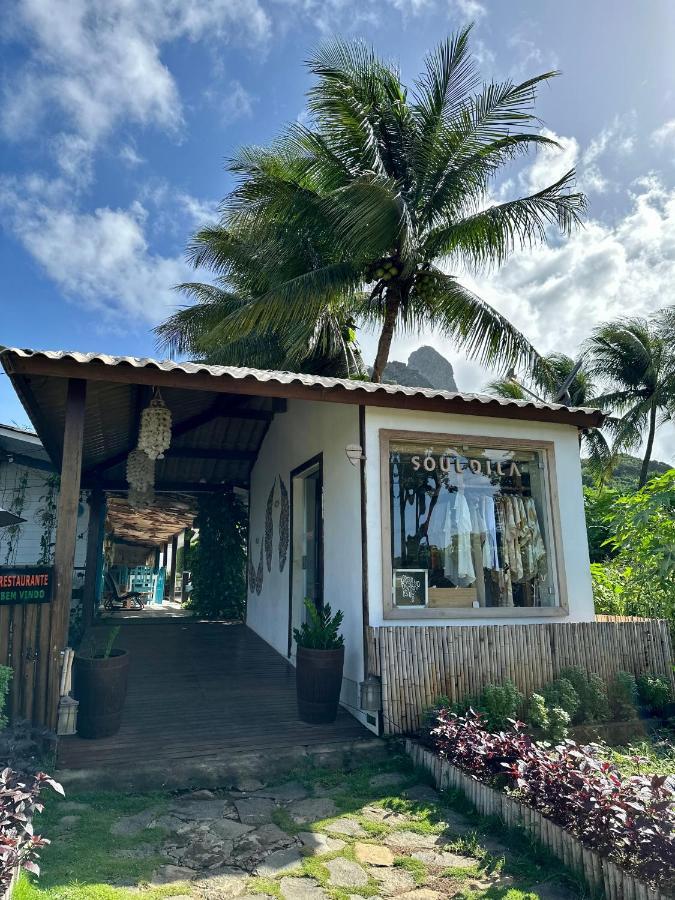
(205, 695)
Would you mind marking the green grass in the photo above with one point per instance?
(650, 757)
(85, 863)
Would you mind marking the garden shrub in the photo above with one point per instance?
(500, 703)
(654, 693)
(547, 721)
(5, 678)
(628, 819)
(622, 696)
(561, 693)
(19, 801)
(590, 688)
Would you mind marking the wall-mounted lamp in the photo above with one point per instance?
(371, 694)
(354, 453)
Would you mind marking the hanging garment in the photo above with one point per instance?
(457, 538)
(511, 544)
(539, 563)
(501, 576)
(490, 548)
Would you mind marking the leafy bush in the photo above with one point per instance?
(5, 678)
(19, 801)
(590, 688)
(654, 692)
(561, 693)
(640, 580)
(630, 820)
(500, 703)
(321, 631)
(547, 721)
(219, 558)
(622, 696)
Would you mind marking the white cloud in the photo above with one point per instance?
(95, 63)
(469, 9)
(664, 135)
(238, 102)
(99, 259)
(130, 156)
(550, 163)
(199, 211)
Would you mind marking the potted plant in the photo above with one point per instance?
(100, 685)
(319, 663)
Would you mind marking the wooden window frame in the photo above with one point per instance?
(552, 525)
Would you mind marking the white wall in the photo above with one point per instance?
(294, 437)
(568, 471)
(24, 548)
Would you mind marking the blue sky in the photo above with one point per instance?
(116, 118)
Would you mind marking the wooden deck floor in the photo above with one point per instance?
(198, 690)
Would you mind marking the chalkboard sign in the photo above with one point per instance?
(410, 588)
(26, 584)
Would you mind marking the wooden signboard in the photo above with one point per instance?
(20, 585)
(410, 588)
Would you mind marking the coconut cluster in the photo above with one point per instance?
(426, 285)
(154, 436)
(384, 270)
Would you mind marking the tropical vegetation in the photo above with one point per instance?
(367, 215)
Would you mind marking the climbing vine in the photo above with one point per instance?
(47, 519)
(13, 532)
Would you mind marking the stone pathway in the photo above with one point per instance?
(380, 837)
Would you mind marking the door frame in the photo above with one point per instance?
(315, 462)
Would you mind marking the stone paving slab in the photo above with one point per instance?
(345, 873)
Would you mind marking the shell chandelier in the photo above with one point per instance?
(154, 436)
(140, 470)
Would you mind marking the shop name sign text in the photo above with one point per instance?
(26, 584)
(445, 463)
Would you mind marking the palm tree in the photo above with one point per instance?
(560, 379)
(358, 212)
(635, 357)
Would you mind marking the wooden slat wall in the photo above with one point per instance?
(23, 642)
(418, 664)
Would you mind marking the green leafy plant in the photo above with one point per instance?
(97, 644)
(499, 703)
(622, 695)
(218, 560)
(5, 678)
(549, 721)
(590, 688)
(321, 631)
(561, 693)
(654, 693)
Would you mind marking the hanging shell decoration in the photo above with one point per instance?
(154, 436)
(140, 470)
(140, 498)
(269, 527)
(284, 517)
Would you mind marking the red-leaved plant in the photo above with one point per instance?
(630, 819)
(19, 801)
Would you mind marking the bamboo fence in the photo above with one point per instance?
(419, 664)
(604, 877)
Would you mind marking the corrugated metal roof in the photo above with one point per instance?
(361, 389)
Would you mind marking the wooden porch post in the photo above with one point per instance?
(94, 544)
(66, 535)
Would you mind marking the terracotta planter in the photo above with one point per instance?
(101, 688)
(318, 681)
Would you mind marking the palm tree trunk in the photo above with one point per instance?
(650, 443)
(386, 335)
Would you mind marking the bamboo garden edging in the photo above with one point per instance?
(420, 663)
(603, 877)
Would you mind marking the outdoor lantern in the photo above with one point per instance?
(371, 694)
(354, 453)
(154, 436)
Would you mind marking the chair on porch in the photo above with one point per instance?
(118, 599)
